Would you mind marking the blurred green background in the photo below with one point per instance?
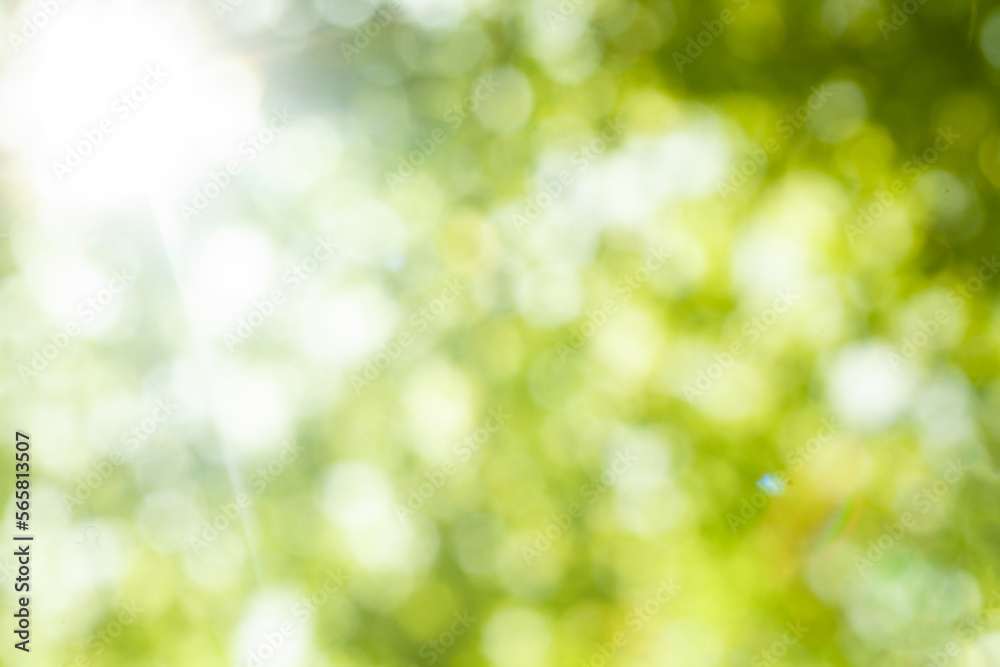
(458, 332)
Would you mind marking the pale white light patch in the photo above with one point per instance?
(985, 652)
(95, 555)
(647, 500)
(549, 294)
(58, 424)
(162, 462)
(74, 290)
(989, 39)
(437, 402)
(559, 38)
(186, 381)
(509, 105)
(888, 604)
(841, 115)
(228, 270)
(817, 317)
(347, 13)
(117, 408)
(347, 328)
(558, 237)
(302, 156)
(554, 30)
(252, 410)
(371, 232)
(62, 280)
(297, 21)
(576, 65)
(690, 161)
(546, 220)
(829, 568)
(516, 637)
(944, 410)
(627, 186)
(943, 192)
(766, 261)
(358, 501)
(438, 14)
(93, 558)
(114, 542)
(628, 345)
(689, 642)
(949, 204)
(838, 15)
(863, 388)
(268, 634)
(687, 266)
(224, 98)
(807, 207)
(220, 566)
(68, 78)
(165, 519)
(250, 17)
(628, 197)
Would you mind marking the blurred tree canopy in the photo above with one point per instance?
(563, 332)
